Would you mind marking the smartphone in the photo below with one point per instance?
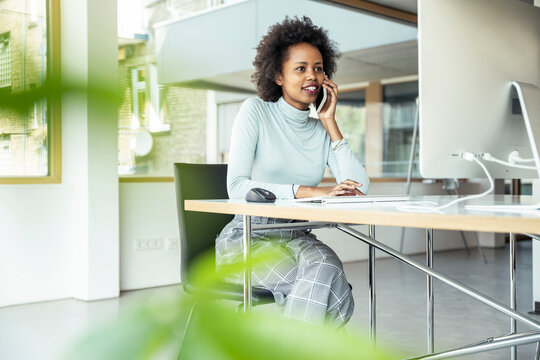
(321, 99)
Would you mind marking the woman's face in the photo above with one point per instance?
(301, 76)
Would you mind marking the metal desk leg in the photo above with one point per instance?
(429, 292)
(371, 285)
(513, 349)
(247, 265)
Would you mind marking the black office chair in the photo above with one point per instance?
(198, 230)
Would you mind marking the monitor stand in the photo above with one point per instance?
(529, 100)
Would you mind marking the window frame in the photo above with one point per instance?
(54, 108)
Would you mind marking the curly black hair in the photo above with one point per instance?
(273, 49)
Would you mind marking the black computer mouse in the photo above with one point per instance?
(260, 195)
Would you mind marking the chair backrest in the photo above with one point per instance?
(198, 230)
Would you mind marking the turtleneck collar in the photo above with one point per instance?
(292, 114)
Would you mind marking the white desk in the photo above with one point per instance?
(452, 218)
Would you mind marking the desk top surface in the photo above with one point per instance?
(455, 217)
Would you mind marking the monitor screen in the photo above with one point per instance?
(469, 54)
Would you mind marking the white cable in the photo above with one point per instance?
(514, 157)
(423, 206)
(489, 157)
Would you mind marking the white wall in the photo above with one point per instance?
(61, 240)
(149, 244)
(35, 245)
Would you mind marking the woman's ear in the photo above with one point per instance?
(278, 80)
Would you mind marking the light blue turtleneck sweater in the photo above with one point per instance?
(279, 148)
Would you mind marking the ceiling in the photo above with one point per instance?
(376, 63)
(355, 69)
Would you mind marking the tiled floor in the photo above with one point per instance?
(45, 331)
(459, 319)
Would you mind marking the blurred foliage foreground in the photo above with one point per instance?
(55, 88)
(217, 330)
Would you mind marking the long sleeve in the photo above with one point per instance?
(345, 166)
(277, 147)
(244, 138)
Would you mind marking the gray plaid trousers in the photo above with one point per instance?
(308, 282)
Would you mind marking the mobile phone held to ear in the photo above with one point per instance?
(321, 99)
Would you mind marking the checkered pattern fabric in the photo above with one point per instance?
(308, 282)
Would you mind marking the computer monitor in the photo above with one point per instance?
(470, 52)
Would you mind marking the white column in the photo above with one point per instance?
(90, 145)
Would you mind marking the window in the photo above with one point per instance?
(399, 111)
(226, 113)
(351, 118)
(158, 125)
(28, 148)
(386, 154)
(5, 61)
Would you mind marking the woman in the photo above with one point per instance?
(275, 145)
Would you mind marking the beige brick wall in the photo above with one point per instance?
(182, 108)
(186, 141)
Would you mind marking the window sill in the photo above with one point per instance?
(30, 180)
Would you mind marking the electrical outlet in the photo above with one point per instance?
(172, 243)
(149, 244)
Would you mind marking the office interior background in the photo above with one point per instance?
(87, 203)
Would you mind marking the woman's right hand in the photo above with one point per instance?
(346, 188)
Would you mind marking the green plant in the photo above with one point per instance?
(218, 331)
(55, 88)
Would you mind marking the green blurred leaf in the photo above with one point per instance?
(55, 88)
(218, 331)
(266, 337)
